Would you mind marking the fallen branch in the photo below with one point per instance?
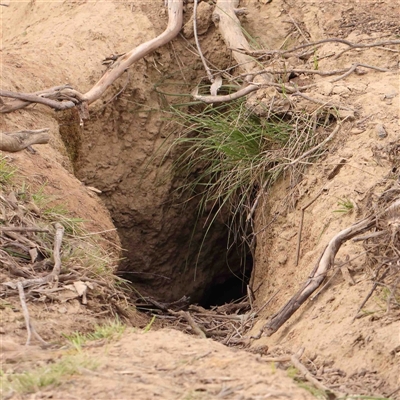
(59, 106)
(17, 141)
(325, 262)
(231, 31)
(317, 276)
(175, 18)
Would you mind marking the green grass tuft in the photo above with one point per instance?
(53, 374)
(6, 171)
(228, 155)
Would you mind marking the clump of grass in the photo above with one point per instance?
(56, 212)
(86, 253)
(229, 155)
(345, 206)
(53, 374)
(6, 171)
(110, 330)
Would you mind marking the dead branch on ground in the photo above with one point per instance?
(325, 262)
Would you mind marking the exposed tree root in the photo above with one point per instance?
(66, 97)
(325, 262)
(17, 141)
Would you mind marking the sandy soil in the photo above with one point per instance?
(165, 364)
(49, 43)
(364, 349)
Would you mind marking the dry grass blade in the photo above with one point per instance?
(230, 157)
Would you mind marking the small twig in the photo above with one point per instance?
(344, 71)
(196, 38)
(324, 103)
(343, 41)
(368, 296)
(254, 206)
(318, 146)
(354, 68)
(196, 328)
(307, 374)
(298, 29)
(25, 312)
(301, 224)
(22, 229)
(228, 97)
(29, 327)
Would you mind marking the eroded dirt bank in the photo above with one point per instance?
(363, 349)
(118, 152)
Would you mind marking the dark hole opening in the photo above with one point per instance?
(228, 288)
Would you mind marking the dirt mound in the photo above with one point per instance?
(165, 364)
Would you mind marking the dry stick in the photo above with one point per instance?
(254, 206)
(196, 328)
(298, 29)
(25, 312)
(301, 224)
(196, 38)
(307, 374)
(367, 297)
(22, 229)
(54, 274)
(345, 71)
(324, 103)
(324, 263)
(29, 327)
